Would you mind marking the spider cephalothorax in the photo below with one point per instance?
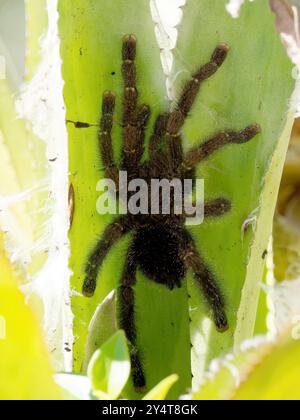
(161, 247)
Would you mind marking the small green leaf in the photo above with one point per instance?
(160, 391)
(109, 368)
(74, 387)
(102, 326)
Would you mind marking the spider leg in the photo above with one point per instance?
(157, 158)
(208, 285)
(194, 156)
(217, 207)
(127, 316)
(174, 152)
(141, 124)
(105, 140)
(186, 101)
(111, 235)
(160, 129)
(133, 121)
(214, 208)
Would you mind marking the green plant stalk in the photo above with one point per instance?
(250, 295)
(91, 40)
(254, 85)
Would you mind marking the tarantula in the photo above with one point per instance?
(161, 247)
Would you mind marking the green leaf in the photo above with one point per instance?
(254, 85)
(109, 368)
(102, 326)
(91, 40)
(160, 391)
(74, 387)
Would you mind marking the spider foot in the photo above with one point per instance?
(220, 54)
(138, 376)
(89, 287)
(218, 207)
(221, 322)
(245, 135)
(129, 47)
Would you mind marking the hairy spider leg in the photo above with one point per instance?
(158, 162)
(195, 156)
(127, 316)
(105, 139)
(214, 208)
(143, 116)
(206, 280)
(185, 103)
(134, 121)
(113, 232)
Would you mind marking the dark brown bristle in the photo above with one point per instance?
(109, 100)
(88, 288)
(253, 129)
(175, 122)
(143, 116)
(161, 124)
(129, 73)
(129, 47)
(220, 54)
(217, 207)
(247, 134)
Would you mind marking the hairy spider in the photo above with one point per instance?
(161, 247)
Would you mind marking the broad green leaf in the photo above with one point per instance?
(91, 40)
(109, 368)
(25, 371)
(254, 85)
(102, 326)
(161, 390)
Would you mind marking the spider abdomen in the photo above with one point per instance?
(158, 253)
